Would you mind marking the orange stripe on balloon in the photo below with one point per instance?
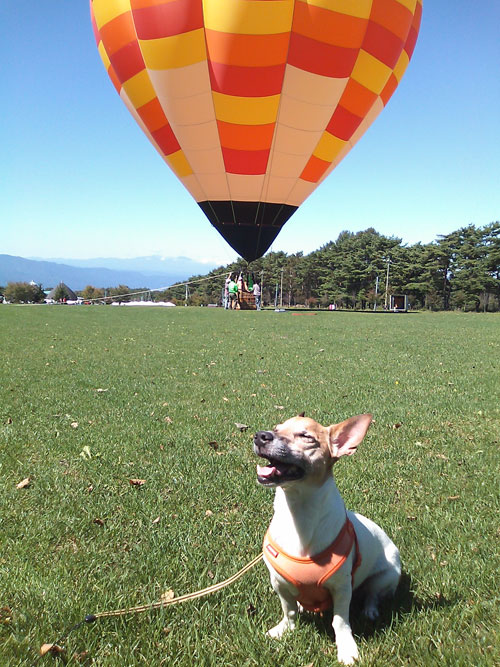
(343, 123)
(389, 88)
(320, 58)
(246, 50)
(114, 79)
(246, 81)
(245, 162)
(328, 26)
(383, 44)
(118, 33)
(167, 19)
(357, 99)
(139, 4)
(152, 115)
(392, 15)
(245, 137)
(314, 169)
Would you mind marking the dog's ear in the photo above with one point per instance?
(346, 436)
(301, 414)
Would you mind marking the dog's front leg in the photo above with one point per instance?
(288, 604)
(347, 651)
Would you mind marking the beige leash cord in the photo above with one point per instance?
(182, 598)
(90, 618)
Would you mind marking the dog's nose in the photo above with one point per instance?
(261, 438)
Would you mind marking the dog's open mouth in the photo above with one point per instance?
(278, 472)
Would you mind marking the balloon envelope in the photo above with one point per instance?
(252, 103)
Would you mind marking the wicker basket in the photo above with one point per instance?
(246, 301)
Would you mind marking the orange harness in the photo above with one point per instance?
(309, 574)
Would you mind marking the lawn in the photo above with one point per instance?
(93, 397)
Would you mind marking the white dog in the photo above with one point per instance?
(316, 551)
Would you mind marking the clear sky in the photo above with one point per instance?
(79, 179)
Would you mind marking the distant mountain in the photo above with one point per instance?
(149, 266)
(160, 272)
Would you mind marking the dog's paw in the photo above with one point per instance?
(371, 612)
(347, 652)
(279, 630)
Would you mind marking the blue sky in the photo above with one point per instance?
(79, 179)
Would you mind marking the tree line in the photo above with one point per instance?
(460, 270)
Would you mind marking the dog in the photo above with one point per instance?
(317, 553)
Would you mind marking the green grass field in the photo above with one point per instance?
(92, 397)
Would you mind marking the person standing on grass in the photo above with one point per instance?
(232, 289)
(226, 290)
(256, 293)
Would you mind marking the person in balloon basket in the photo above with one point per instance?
(232, 289)
(257, 295)
(242, 288)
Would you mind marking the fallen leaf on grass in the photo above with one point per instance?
(398, 425)
(167, 595)
(242, 427)
(209, 513)
(99, 522)
(137, 482)
(5, 615)
(210, 574)
(51, 648)
(85, 453)
(81, 657)
(74, 424)
(24, 483)
(9, 420)
(101, 391)
(213, 444)
(279, 407)
(453, 497)
(157, 520)
(168, 420)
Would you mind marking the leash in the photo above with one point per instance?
(91, 618)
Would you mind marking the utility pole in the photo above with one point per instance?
(387, 284)
(281, 290)
(376, 293)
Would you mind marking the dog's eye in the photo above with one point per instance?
(308, 437)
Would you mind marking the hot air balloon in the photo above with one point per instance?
(252, 103)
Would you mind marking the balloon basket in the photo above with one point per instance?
(246, 301)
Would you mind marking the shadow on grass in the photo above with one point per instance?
(392, 611)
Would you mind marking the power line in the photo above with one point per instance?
(158, 289)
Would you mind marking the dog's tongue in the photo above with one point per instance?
(266, 471)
